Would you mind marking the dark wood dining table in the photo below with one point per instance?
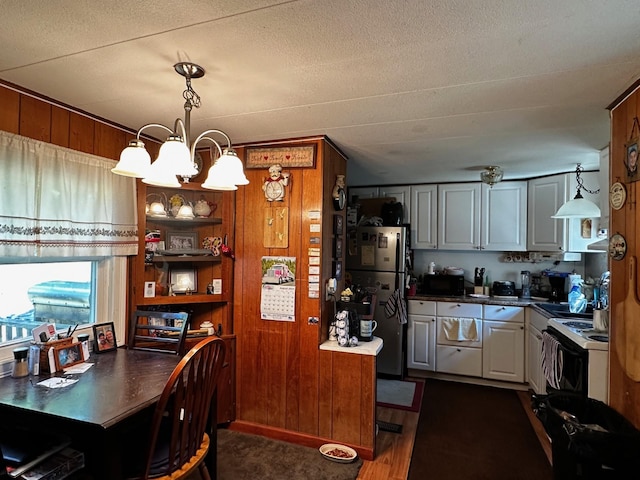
(119, 389)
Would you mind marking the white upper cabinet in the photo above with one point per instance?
(504, 217)
(362, 193)
(401, 194)
(474, 216)
(424, 216)
(459, 216)
(546, 196)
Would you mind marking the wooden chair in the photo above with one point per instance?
(158, 331)
(178, 443)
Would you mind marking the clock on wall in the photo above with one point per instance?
(339, 195)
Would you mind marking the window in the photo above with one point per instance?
(62, 293)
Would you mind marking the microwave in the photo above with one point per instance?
(449, 285)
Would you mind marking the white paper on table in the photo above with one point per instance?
(79, 368)
(57, 382)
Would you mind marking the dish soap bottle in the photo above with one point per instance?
(577, 299)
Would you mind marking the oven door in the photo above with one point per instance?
(565, 366)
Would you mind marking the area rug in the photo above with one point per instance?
(401, 394)
(242, 456)
(479, 432)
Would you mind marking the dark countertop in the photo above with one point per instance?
(511, 302)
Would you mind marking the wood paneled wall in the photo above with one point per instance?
(25, 114)
(279, 363)
(624, 355)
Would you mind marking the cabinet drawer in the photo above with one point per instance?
(454, 309)
(459, 360)
(503, 313)
(443, 340)
(420, 307)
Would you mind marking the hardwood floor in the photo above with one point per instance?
(393, 451)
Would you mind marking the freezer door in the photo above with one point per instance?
(376, 248)
(390, 360)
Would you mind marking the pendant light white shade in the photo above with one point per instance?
(578, 208)
(134, 161)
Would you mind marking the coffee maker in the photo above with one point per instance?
(557, 289)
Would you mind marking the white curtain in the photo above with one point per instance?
(57, 202)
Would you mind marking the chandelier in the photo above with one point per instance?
(491, 175)
(177, 156)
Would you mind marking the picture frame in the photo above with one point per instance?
(104, 335)
(67, 355)
(177, 241)
(631, 160)
(337, 269)
(338, 224)
(183, 280)
(296, 156)
(337, 247)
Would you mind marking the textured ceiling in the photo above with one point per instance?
(411, 91)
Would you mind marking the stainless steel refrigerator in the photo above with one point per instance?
(376, 257)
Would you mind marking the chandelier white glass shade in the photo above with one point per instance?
(491, 175)
(176, 157)
(579, 207)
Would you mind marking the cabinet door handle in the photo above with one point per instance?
(521, 328)
(457, 305)
(457, 349)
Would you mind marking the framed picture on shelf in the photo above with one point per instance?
(182, 240)
(183, 280)
(67, 355)
(338, 225)
(104, 335)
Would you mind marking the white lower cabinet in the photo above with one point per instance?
(421, 335)
(503, 343)
(459, 360)
(459, 357)
(535, 375)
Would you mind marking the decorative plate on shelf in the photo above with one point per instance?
(338, 453)
(617, 195)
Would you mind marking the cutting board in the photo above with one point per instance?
(631, 323)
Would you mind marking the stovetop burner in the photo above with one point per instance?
(578, 325)
(599, 338)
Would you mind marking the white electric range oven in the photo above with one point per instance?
(585, 356)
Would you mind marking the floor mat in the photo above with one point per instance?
(401, 394)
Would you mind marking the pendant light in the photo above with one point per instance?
(579, 207)
(177, 156)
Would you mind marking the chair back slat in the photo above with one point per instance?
(158, 331)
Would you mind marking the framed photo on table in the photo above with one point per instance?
(67, 355)
(104, 335)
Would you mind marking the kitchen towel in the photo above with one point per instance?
(396, 306)
(552, 360)
(460, 329)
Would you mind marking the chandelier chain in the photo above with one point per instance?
(191, 97)
(579, 180)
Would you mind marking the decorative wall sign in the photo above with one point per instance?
(617, 196)
(631, 152)
(617, 247)
(298, 156)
